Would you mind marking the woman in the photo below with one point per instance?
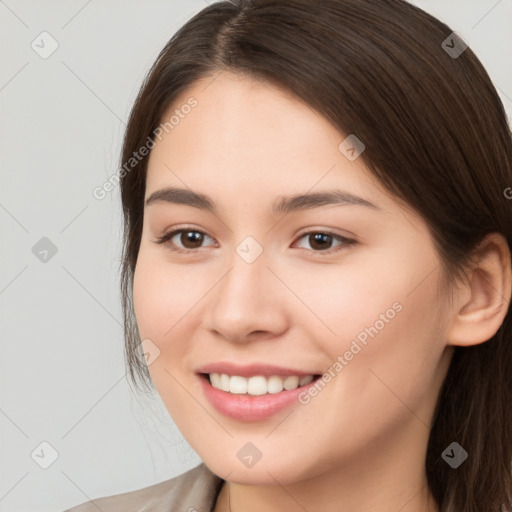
(317, 271)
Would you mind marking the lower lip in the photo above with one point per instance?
(248, 407)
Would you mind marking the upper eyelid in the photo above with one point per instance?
(349, 240)
(173, 232)
(306, 231)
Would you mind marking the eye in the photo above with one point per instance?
(190, 238)
(322, 239)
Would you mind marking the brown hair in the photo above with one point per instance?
(436, 137)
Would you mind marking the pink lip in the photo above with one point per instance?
(247, 407)
(251, 370)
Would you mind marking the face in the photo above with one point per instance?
(342, 291)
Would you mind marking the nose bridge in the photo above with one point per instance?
(247, 296)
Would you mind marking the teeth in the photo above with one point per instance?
(224, 382)
(291, 382)
(305, 380)
(274, 384)
(257, 385)
(238, 385)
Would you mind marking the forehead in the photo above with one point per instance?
(249, 138)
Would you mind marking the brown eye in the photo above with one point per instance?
(191, 239)
(185, 239)
(321, 241)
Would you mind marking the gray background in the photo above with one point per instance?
(62, 118)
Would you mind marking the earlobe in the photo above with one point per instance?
(484, 305)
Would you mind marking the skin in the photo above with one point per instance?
(360, 444)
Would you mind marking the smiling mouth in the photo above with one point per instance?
(257, 385)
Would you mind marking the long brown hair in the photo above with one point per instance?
(436, 137)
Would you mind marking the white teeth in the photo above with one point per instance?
(257, 385)
(238, 385)
(224, 382)
(291, 382)
(274, 384)
(216, 380)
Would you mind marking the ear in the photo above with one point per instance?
(485, 297)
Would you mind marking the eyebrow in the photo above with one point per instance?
(282, 205)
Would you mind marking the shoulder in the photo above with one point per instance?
(195, 490)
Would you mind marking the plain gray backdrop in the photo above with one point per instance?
(69, 74)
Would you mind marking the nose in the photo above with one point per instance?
(248, 302)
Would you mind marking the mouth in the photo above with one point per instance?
(257, 385)
(254, 398)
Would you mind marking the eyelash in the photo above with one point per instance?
(167, 236)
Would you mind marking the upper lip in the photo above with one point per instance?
(251, 370)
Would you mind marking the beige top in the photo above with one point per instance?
(193, 491)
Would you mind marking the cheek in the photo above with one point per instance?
(168, 301)
(340, 300)
(163, 299)
(393, 358)
(163, 296)
(385, 320)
